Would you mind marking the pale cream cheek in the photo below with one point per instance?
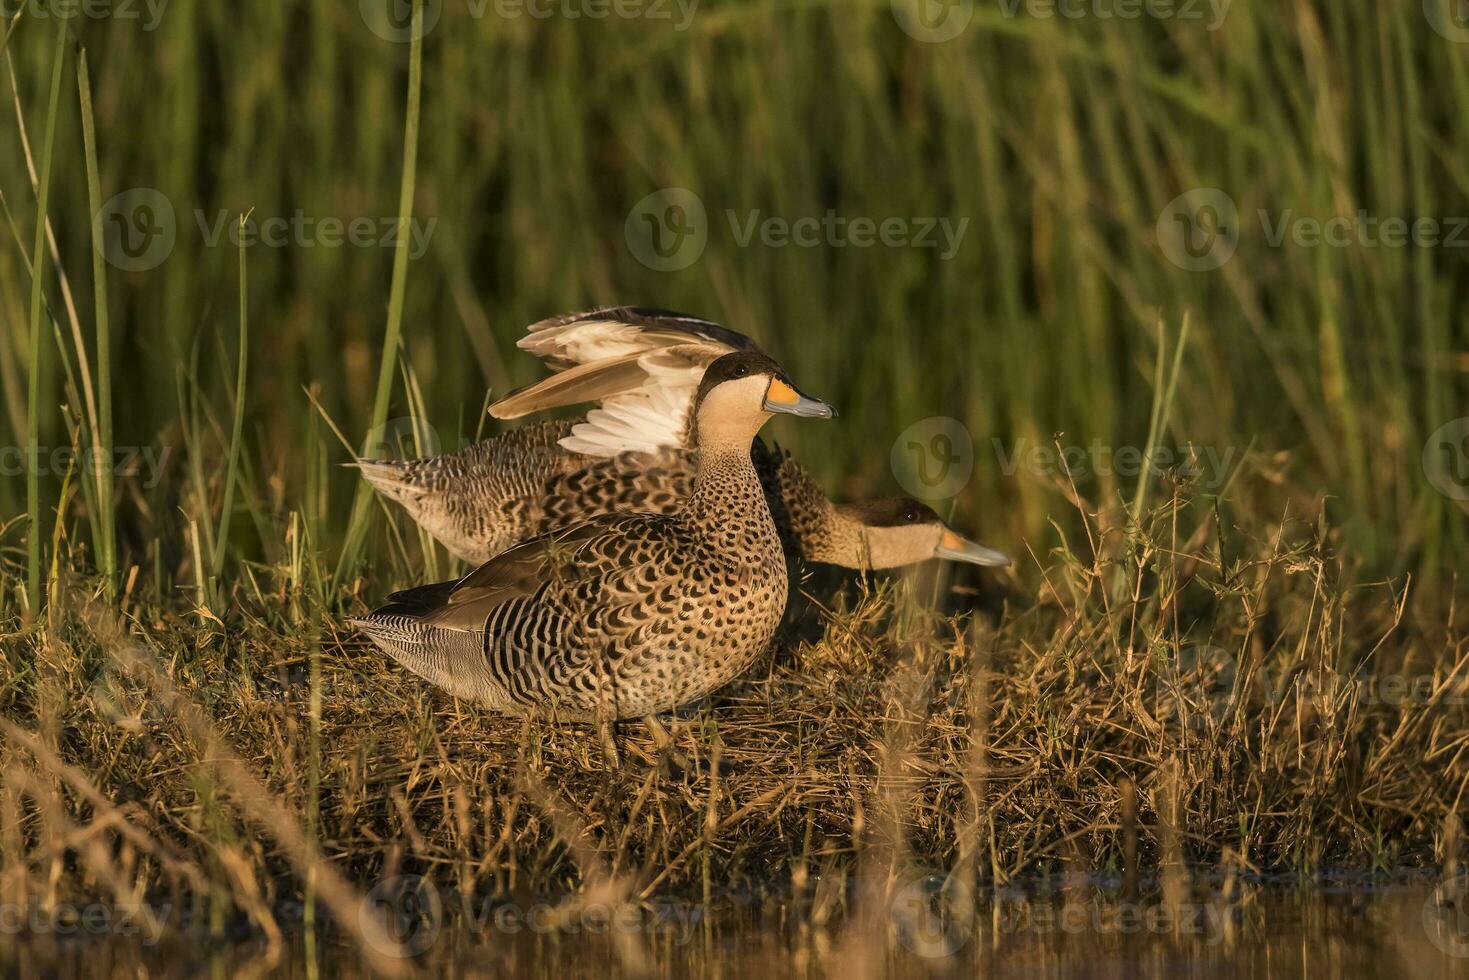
(895, 546)
(734, 411)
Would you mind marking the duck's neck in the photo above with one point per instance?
(728, 501)
(832, 537)
(822, 533)
(803, 515)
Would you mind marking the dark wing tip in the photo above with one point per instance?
(659, 318)
(416, 601)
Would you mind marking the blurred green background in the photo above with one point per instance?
(1057, 142)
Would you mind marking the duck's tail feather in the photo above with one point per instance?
(448, 658)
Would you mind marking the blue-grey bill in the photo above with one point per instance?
(804, 407)
(955, 548)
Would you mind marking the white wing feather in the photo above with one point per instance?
(646, 419)
(653, 415)
(582, 342)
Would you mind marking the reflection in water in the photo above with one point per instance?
(925, 928)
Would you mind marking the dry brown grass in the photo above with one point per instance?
(170, 756)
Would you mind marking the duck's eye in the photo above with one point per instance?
(911, 516)
(741, 370)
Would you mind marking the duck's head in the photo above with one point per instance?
(740, 391)
(897, 531)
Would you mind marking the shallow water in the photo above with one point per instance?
(1342, 927)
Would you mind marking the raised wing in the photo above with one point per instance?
(582, 338)
(642, 364)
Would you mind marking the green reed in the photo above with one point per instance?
(1320, 372)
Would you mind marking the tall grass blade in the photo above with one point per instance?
(1163, 393)
(104, 457)
(362, 501)
(35, 529)
(63, 282)
(221, 540)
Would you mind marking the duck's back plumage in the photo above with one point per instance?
(489, 497)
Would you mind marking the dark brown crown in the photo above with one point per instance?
(891, 512)
(732, 367)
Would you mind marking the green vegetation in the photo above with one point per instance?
(1215, 635)
(1061, 142)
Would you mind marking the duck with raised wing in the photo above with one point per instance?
(625, 615)
(634, 454)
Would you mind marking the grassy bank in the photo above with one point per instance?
(1165, 714)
